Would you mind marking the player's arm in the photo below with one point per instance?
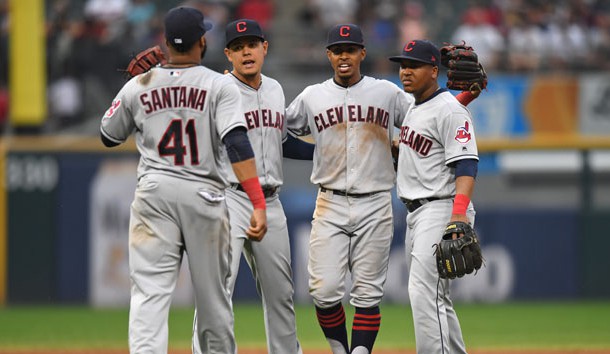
(296, 116)
(107, 142)
(117, 124)
(465, 174)
(465, 97)
(297, 149)
(242, 160)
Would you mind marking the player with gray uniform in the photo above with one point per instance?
(351, 118)
(181, 114)
(437, 166)
(262, 110)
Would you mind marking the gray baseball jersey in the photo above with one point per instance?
(352, 128)
(179, 117)
(352, 225)
(434, 134)
(262, 111)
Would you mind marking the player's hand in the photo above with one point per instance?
(258, 225)
(458, 217)
(475, 90)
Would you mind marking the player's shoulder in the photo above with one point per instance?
(450, 104)
(318, 88)
(271, 82)
(381, 83)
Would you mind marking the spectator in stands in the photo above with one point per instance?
(261, 11)
(412, 24)
(476, 31)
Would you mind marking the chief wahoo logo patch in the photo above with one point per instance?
(462, 135)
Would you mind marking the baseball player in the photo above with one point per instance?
(262, 110)
(351, 118)
(182, 113)
(437, 166)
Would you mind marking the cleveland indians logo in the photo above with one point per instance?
(344, 31)
(409, 46)
(113, 108)
(462, 134)
(241, 26)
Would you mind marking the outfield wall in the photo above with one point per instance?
(68, 221)
(542, 197)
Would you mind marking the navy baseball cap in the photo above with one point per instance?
(347, 33)
(419, 50)
(242, 28)
(184, 26)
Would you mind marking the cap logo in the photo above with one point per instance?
(409, 46)
(241, 26)
(344, 31)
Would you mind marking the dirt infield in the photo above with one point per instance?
(320, 351)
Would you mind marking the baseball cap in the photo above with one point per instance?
(184, 26)
(346, 33)
(419, 50)
(242, 28)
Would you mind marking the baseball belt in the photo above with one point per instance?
(414, 204)
(267, 191)
(345, 194)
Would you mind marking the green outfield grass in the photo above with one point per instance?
(535, 325)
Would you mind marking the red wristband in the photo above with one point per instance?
(465, 97)
(460, 204)
(252, 187)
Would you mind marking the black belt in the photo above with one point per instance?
(414, 204)
(345, 194)
(267, 191)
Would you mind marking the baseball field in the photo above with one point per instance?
(516, 328)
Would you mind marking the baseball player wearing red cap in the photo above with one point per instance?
(182, 113)
(262, 110)
(351, 118)
(437, 166)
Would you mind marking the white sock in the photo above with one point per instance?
(360, 350)
(336, 346)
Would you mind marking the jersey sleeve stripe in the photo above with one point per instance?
(114, 140)
(231, 127)
(462, 157)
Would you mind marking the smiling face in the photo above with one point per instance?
(418, 78)
(345, 60)
(247, 54)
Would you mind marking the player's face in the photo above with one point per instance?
(345, 60)
(247, 54)
(418, 78)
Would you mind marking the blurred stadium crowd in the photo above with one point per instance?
(88, 41)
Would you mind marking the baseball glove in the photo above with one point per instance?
(145, 60)
(465, 72)
(456, 257)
